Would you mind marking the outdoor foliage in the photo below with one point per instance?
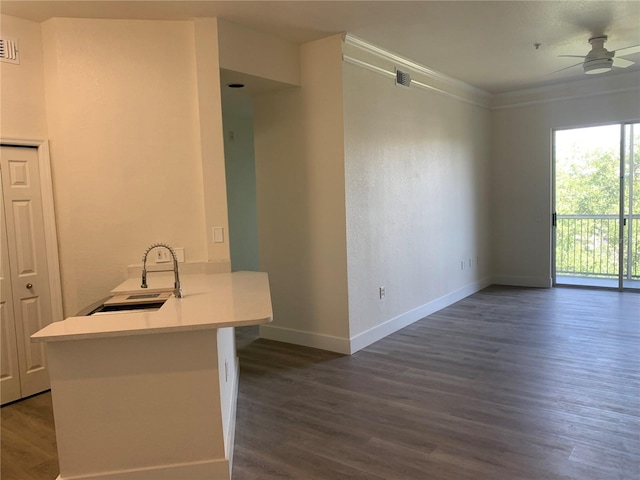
(587, 204)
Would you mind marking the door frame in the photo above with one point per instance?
(622, 124)
(48, 211)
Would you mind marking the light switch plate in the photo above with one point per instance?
(218, 235)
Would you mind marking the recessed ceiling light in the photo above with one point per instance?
(235, 85)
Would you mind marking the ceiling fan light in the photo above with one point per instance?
(600, 65)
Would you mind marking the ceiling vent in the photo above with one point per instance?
(9, 50)
(403, 78)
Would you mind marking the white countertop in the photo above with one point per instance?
(210, 301)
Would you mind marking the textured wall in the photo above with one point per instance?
(417, 173)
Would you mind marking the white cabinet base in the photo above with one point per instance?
(145, 406)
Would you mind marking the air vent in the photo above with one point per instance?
(403, 78)
(9, 50)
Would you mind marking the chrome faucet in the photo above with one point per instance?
(177, 288)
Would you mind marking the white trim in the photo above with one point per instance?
(48, 210)
(593, 86)
(381, 331)
(230, 439)
(621, 83)
(364, 339)
(432, 74)
(470, 93)
(306, 339)
(368, 66)
(523, 281)
(202, 470)
(391, 74)
(448, 94)
(564, 97)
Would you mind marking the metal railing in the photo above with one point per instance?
(588, 246)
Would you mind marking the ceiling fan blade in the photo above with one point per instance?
(621, 62)
(573, 56)
(566, 68)
(627, 51)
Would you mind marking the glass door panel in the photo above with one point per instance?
(587, 206)
(631, 207)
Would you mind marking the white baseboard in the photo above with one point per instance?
(523, 281)
(364, 339)
(306, 339)
(204, 470)
(378, 332)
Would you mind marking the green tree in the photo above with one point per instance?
(588, 184)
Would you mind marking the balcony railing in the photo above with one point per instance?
(587, 246)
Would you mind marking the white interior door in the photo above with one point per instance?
(28, 268)
(9, 373)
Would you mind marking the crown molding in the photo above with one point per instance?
(359, 52)
(430, 79)
(572, 90)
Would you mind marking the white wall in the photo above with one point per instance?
(135, 116)
(522, 166)
(390, 183)
(210, 139)
(240, 170)
(123, 116)
(417, 195)
(261, 55)
(299, 148)
(22, 109)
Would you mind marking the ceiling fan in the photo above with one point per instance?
(601, 60)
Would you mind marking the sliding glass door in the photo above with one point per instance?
(630, 204)
(597, 206)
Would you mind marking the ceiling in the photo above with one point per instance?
(489, 44)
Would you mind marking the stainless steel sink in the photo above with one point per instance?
(129, 303)
(144, 307)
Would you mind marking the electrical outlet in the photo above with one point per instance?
(179, 251)
(162, 255)
(381, 293)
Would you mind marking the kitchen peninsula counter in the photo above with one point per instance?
(152, 394)
(210, 301)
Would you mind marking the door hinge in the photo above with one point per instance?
(554, 219)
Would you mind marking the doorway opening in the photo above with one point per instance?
(596, 234)
(237, 119)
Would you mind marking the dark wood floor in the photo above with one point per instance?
(513, 384)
